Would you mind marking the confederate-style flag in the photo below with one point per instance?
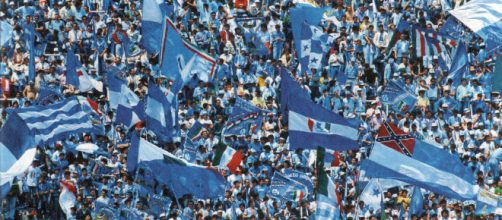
(393, 137)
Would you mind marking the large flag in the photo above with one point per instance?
(226, 156)
(301, 177)
(402, 27)
(327, 198)
(416, 203)
(311, 125)
(497, 75)
(385, 162)
(67, 197)
(176, 54)
(459, 65)
(119, 93)
(159, 117)
(286, 189)
(242, 107)
(311, 52)
(372, 195)
(484, 17)
(28, 127)
(453, 28)
(391, 136)
(78, 77)
(178, 175)
(247, 124)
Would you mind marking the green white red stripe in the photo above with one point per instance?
(226, 156)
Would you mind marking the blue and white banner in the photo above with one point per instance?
(301, 177)
(484, 17)
(310, 126)
(410, 170)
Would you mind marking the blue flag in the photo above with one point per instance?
(413, 171)
(459, 65)
(158, 111)
(311, 125)
(242, 107)
(497, 75)
(398, 96)
(246, 124)
(176, 54)
(129, 116)
(286, 189)
(486, 202)
(311, 52)
(119, 93)
(151, 26)
(179, 176)
(5, 33)
(72, 63)
(300, 177)
(30, 43)
(453, 28)
(289, 86)
(48, 96)
(416, 203)
(304, 13)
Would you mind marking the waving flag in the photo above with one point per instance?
(6, 31)
(311, 41)
(328, 201)
(285, 189)
(486, 202)
(180, 176)
(484, 17)
(402, 27)
(423, 45)
(28, 127)
(119, 93)
(30, 43)
(47, 96)
(416, 203)
(242, 107)
(243, 125)
(151, 26)
(159, 117)
(418, 163)
(372, 195)
(226, 156)
(78, 77)
(453, 28)
(289, 87)
(398, 96)
(459, 66)
(129, 116)
(311, 125)
(304, 13)
(67, 197)
(497, 76)
(300, 177)
(175, 55)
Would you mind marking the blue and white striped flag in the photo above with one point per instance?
(28, 127)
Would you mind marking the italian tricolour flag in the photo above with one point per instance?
(227, 156)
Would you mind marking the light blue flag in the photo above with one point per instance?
(286, 189)
(5, 33)
(301, 177)
(71, 64)
(497, 75)
(177, 174)
(119, 93)
(177, 54)
(372, 195)
(151, 26)
(486, 202)
(416, 202)
(459, 65)
(159, 117)
(483, 17)
(246, 124)
(30, 43)
(415, 172)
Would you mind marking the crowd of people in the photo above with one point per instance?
(465, 120)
